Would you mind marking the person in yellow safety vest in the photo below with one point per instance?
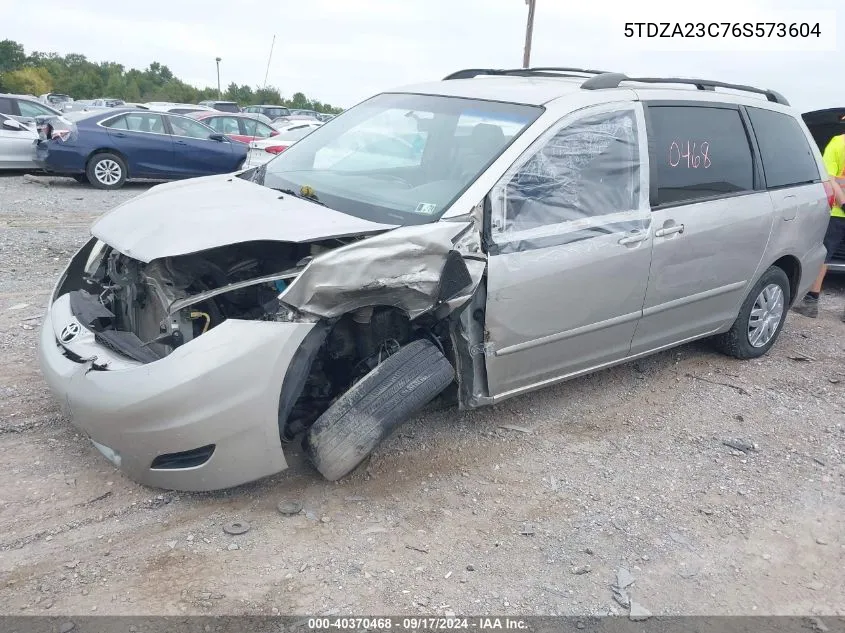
(834, 162)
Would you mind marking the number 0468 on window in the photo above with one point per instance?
(689, 154)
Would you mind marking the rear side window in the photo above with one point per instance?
(6, 105)
(137, 122)
(226, 107)
(699, 152)
(786, 154)
(30, 109)
(256, 128)
(224, 124)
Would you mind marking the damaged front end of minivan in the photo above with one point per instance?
(239, 348)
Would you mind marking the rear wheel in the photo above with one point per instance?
(392, 392)
(106, 171)
(760, 319)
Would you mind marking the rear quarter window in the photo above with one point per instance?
(116, 124)
(786, 154)
(699, 152)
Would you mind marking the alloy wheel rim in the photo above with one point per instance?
(766, 315)
(107, 172)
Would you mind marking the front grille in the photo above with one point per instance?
(126, 344)
(185, 459)
(76, 358)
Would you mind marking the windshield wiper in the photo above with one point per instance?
(295, 194)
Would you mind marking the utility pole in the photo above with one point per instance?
(529, 30)
(219, 94)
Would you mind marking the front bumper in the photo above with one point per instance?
(222, 388)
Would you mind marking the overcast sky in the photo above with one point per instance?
(342, 51)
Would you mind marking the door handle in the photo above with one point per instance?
(120, 135)
(634, 237)
(669, 230)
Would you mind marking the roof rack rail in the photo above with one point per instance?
(544, 71)
(612, 80)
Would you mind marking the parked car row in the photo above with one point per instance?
(106, 141)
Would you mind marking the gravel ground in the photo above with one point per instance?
(625, 469)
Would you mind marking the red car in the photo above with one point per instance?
(236, 126)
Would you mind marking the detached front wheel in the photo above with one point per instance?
(353, 426)
(106, 171)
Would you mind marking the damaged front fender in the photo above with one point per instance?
(413, 268)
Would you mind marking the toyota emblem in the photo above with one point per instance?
(70, 332)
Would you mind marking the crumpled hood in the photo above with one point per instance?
(201, 213)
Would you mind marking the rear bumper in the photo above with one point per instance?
(811, 264)
(59, 158)
(220, 389)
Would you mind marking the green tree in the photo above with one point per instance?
(115, 85)
(32, 81)
(241, 94)
(131, 93)
(81, 78)
(12, 56)
(299, 100)
(269, 95)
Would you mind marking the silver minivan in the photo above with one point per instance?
(470, 239)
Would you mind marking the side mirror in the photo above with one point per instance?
(217, 137)
(11, 124)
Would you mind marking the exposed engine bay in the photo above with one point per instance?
(146, 310)
(170, 301)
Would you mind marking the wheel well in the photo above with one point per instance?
(792, 267)
(107, 150)
(346, 349)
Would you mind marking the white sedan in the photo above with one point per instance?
(265, 149)
(17, 144)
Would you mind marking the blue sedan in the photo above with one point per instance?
(106, 148)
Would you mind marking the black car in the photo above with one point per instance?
(273, 112)
(222, 106)
(824, 125)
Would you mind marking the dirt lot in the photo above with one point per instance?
(623, 469)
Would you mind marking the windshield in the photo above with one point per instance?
(399, 158)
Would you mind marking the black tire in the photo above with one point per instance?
(735, 342)
(81, 178)
(96, 171)
(353, 426)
